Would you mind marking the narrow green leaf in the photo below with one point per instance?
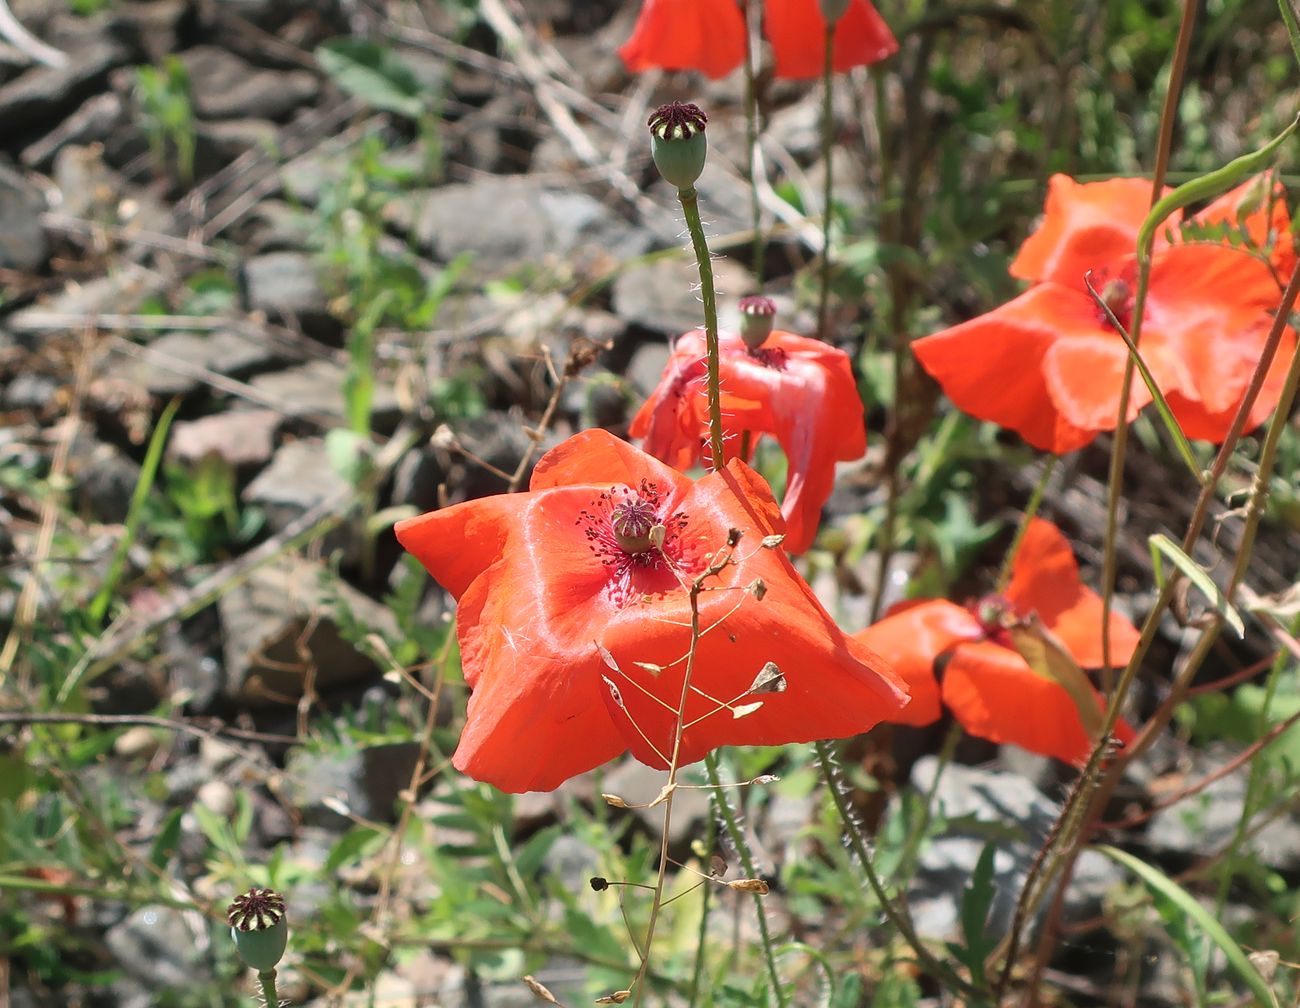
(148, 474)
(373, 73)
(350, 847)
(1160, 883)
(1292, 28)
(168, 840)
(1162, 406)
(1209, 186)
(1160, 545)
(975, 903)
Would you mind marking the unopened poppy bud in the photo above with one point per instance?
(678, 143)
(833, 10)
(258, 927)
(757, 316)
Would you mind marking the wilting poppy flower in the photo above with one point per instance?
(1049, 363)
(709, 36)
(991, 690)
(574, 620)
(798, 389)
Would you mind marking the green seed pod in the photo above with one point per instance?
(757, 316)
(258, 927)
(678, 143)
(833, 10)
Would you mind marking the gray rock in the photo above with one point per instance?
(96, 120)
(505, 222)
(299, 477)
(22, 239)
(161, 946)
(227, 87)
(984, 806)
(219, 143)
(314, 392)
(120, 292)
(241, 437)
(280, 626)
(1206, 823)
(365, 782)
(104, 480)
(662, 295)
(637, 783)
(286, 286)
(29, 391)
(176, 363)
(44, 95)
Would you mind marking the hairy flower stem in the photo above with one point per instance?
(828, 134)
(899, 919)
(267, 979)
(751, 143)
(691, 208)
(1168, 116)
(729, 820)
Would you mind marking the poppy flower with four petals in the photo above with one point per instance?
(991, 690)
(1049, 363)
(709, 36)
(574, 620)
(798, 389)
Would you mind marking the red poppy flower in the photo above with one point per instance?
(1049, 363)
(991, 690)
(574, 626)
(709, 36)
(798, 389)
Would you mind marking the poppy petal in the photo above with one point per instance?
(703, 35)
(797, 31)
(1084, 376)
(1085, 226)
(1045, 580)
(992, 366)
(995, 695)
(1257, 210)
(910, 640)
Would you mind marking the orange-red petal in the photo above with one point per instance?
(995, 695)
(703, 35)
(992, 365)
(1085, 226)
(1045, 580)
(797, 31)
(910, 640)
(1257, 209)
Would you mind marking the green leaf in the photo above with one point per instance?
(373, 73)
(168, 840)
(975, 903)
(1162, 545)
(350, 847)
(1196, 914)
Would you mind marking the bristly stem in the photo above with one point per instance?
(900, 921)
(828, 132)
(691, 208)
(751, 142)
(267, 979)
(737, 835)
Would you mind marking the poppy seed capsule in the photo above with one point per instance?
(258, 928)
(678, 143)
(833, 10)
(635, 530)
(757, 317)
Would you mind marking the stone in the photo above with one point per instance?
(44, 95)
(94, 121)
(512, 221)
(299, 478)
(217, 797)
(314, 392)
(23, 245)
(244, 438)
(161, 946)
(325, 785)
(286, 286)
(280, 626)
(662, 295)
(104, 480)
(225, 86)
(983, 806)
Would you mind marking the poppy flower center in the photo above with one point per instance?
(991, 611)
(632, 534)
(774, 358)
(1117, 295)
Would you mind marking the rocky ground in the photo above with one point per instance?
(349, 289)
